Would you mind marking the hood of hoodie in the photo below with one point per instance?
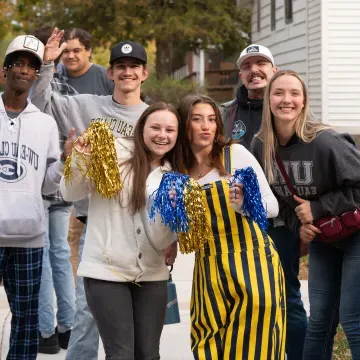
(244, 101)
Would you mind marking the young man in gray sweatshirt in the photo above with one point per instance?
(78, 76)
(30, 166)
(121, 111)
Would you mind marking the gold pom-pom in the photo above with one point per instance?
(100, 166)
(199, 232)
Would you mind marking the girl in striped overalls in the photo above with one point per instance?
(238, 300)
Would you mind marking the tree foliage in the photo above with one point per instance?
(7, 9)
(169, 90)
(176, 25)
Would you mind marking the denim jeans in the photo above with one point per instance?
(334, 283)
(84, 339)
(287, 246)
(57, 271)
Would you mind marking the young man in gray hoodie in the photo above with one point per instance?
(30, 166)
(121, 111)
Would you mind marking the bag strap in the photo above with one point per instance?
(227, 159)
(284, 174)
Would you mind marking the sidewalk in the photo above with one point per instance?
(175, 339)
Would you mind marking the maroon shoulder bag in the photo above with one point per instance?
(335, 227)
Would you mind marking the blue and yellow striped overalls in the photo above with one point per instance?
(238, 294)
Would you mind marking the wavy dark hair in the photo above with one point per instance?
(84, 37)
(185, 108)
(140, 163)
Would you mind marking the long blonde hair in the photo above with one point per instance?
(306, 128)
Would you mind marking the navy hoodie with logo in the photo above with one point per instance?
(325, 171)
(242, 117)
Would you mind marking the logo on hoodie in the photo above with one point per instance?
(239, 130)
(8, 170)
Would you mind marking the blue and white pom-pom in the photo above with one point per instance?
(252, 206)
(184, 213)
(172, 216)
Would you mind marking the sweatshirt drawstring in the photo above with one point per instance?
(18, 163)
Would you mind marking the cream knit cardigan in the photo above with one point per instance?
(119, 246)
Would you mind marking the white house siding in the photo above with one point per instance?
(341, 63)
(288, 42)
(296, 45)
(314, 80)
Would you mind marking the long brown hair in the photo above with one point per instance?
(139, 165)
(185, 110)
(306, 128)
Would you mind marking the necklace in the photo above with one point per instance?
(200, 175)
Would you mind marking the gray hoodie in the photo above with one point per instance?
(26, 174)
(80, 110)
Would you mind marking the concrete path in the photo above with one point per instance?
(175, 343)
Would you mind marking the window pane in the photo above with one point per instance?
(288, 11)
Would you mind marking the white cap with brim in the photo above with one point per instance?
(255, 50)
(27, 43)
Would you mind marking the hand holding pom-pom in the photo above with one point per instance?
(236, 194)
(172, 196)
(96, 158)
(82, 144)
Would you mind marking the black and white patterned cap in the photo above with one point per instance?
(128, 49)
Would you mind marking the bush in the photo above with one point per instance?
(169, 90)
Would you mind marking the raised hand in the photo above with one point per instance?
(52, 48)
(303, 210)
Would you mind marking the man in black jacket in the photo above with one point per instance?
(242, 116)
(242, 119)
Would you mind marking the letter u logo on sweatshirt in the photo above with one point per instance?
(8, 171)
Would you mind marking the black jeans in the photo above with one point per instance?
(129, 317)
(287, 246)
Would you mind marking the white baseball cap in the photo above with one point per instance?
(255, 50)
(27, 43)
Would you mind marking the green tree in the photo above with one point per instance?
(176, 26)
(7, 9)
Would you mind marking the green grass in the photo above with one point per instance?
(341, 346)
